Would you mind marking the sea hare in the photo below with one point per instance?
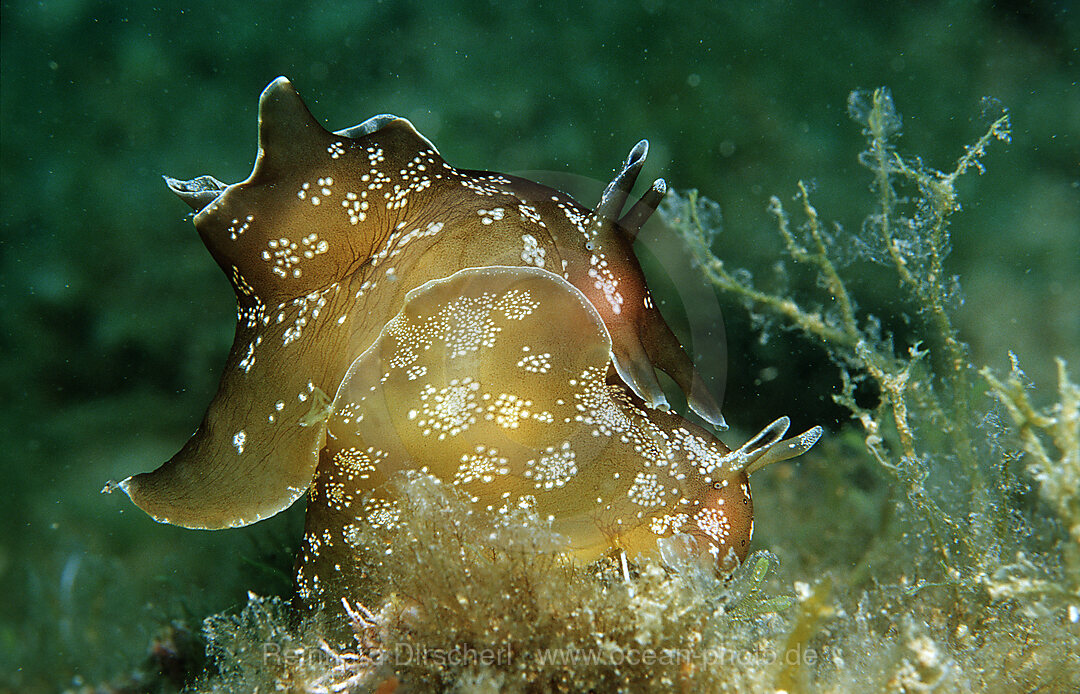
(477, 325)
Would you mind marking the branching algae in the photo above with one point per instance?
(934, 414)
(928, 416)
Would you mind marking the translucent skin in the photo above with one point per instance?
(481, 326)
(496, 381)
(323, 241)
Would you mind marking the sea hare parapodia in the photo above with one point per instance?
(477, 324)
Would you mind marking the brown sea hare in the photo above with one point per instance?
(477, 325)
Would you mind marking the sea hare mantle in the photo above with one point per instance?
(482, 325)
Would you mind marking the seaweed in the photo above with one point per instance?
(931, 416)
(462, 603)
(934, 429)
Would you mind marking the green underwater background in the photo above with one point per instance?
(929, 542)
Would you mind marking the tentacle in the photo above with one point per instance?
(768, 447)
(631, 223)
(765, 439)
(787, 449)
(614, 197)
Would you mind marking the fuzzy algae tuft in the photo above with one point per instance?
(459, 603)
(969, 583)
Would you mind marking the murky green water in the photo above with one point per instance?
(117, 321)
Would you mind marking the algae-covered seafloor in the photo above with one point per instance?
(924, 544)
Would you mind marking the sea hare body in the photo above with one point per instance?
(481, 326)
(496, 380)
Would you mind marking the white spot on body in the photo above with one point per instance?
(553, 469)
(491, 216)
(535, 363)
(532, 253)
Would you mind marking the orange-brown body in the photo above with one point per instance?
(480, 325)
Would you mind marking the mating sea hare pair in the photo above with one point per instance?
(484, 328)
